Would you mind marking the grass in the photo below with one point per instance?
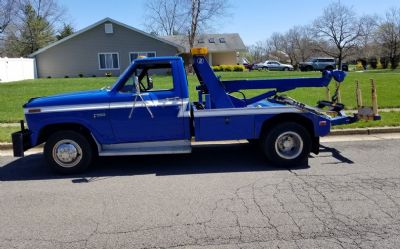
(388, 119)
(14, 95)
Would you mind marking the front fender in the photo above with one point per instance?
(100, 127)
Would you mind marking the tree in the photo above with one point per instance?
(258, 52)
(388, 36)
(190, 17)
(67, 30)
(33, 28)
(165, 17)
(340, 29)
(7, 11)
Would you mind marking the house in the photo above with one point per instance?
(107, 46)
(223, 49)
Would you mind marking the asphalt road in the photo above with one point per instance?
(222, 196)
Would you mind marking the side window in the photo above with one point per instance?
(151, 77)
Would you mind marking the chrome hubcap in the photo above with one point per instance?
(67, 153)
(289, 145)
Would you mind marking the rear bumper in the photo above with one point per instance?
(21, 141)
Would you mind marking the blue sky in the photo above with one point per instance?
(254, 20)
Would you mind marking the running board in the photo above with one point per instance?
(146, 148)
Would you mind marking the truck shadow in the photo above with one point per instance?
(203, 160)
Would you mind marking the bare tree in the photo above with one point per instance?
(191, 17)
(165, 17)
(203, 14)
(388, 36)
(340, 28)
(7, 11)
(258, 52)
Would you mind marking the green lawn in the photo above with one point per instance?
(13, 95)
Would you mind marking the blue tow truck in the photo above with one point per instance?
(142, 116)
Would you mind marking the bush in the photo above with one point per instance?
(108, 74)
(238, 68)
(66, 76)
(373, 62)
(80, 75)
(227, 68)
(49, 77)
(217, 68)
(384, 62)
(359, 66)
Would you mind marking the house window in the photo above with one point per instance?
(222, 40)
(108, 28)
(211, 40)
(108, 61)
(135, 55)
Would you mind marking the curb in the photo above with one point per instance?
(338, 132)
(365, 131)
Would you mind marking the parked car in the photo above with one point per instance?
(273, 65)
(318, 64)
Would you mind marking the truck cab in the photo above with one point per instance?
(147, 111)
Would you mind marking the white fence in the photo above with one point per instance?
(12, 69)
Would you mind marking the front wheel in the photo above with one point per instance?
(287, 144)
(68, 152)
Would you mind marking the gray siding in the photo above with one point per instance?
(79, 55)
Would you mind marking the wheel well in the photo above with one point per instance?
(48, 130)
(288, 117)
(296, 118)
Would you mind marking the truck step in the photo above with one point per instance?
(146, 148)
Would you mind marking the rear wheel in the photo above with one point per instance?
(68, 152)
(287, 144)
(285, 69)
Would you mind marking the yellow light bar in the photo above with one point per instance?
(199, 51)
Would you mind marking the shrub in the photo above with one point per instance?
(80, 75)
(93, 75)
(227, 68)
(108, 74)
(66, 76)
(238, 68)
(49, 77)
(373, 62)
(359, 66)
(217, 68)
(384, 62)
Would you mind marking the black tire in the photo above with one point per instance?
(299, 145)
(77, 159)
(285, 69)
